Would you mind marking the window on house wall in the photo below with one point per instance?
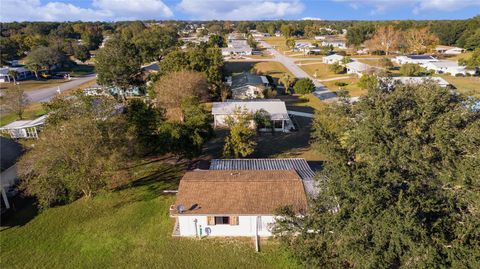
(222, 220)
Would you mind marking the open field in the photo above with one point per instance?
(126, 228)
(465, 85)
(319, 69)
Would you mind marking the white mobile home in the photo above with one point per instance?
(275, 108)
(234, 202)
(331, 59)
(358, 68)
(445, 66)
(414, 59)
(448, 50)
(24, 128)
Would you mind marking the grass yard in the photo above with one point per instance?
(274, 69)
(465, 85)
(33, 111)
(352, 88)
(127, 228)
(81, 70)
(33, 84)
(318, 68)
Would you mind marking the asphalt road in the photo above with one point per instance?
(321, 91)
(45, 94)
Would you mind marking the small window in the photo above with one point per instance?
(222, 220)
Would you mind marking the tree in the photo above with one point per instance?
(473, 61)
(252, 42)
(155, 42)
(81, 52)
(78, 158)
(13, 74)
(473, 41)
(304, 86)
(410, 70)
(420, 40)
(286, 30)
(399, 187)
(240, 142)
(358, 34)
(8, 50)
(386, 63)
(44, 58)
(386, 39)
(337, 68)
(118, 64)
(172, 89)
(290, 43)
(368, 82)
(216, 40)
(286, 80)
(15, 100)
(262, 119)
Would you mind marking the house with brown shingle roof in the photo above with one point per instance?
(235, 202)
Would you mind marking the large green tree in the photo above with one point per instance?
(155, 42)
(118, 64)
(304, 86)
(400, 185)
(44, 58)
(240, 142)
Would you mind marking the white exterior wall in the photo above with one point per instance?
(245, 227)
(247, 92)
(9, 176)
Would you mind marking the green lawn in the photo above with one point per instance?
(319, 69)
(33, 111)
(33, 84)
(128, 228)
(465, 85)
(274, 69)
(352, 88)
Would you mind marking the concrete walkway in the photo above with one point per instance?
(300, 114)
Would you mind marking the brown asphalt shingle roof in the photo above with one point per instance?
(240, 192)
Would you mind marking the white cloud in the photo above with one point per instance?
(381, 6)
(109, 10)
(311, 19)
(241, 10)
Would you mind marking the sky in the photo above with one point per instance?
(117, 10)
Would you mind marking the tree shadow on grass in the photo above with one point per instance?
(23, 209)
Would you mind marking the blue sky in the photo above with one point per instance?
(113, 10)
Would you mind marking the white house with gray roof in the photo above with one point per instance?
(247, 86)
(450, 67)
(275, 108)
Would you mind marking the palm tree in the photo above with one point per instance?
(13, 73)
(286, 80)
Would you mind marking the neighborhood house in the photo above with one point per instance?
(334, 42)
(275, 108)
(298, 164)
(20, 73)
(358, 68)
(237, 45)
(331, 59)
(448, 50)
(445, 66)
(234, 202)
(414, 59)
(390, 82)
(247, 85)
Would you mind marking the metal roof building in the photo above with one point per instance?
(298, 164)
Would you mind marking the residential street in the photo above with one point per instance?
(45, 94)
(321, 91)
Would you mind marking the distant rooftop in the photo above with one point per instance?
(245, 78)
(274, 107)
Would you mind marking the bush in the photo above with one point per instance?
(411, 70)
(337, 68)
(341, 84)
(304, 86)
